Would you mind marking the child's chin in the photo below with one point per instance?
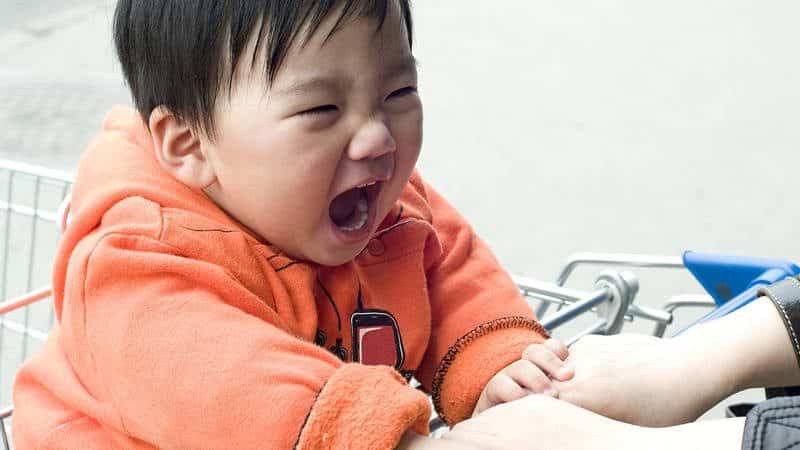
(337, 257)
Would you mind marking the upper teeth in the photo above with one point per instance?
(367, 184)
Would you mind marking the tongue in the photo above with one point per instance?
(344, 206)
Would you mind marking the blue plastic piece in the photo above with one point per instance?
(734, 281)
(725, 277)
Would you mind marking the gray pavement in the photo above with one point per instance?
(58, 77)
(555, 127)
(14, 13)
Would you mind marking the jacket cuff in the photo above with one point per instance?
(773, 424)
(364, 407)
(785, 295)
(475, 359)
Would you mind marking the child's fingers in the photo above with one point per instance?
(529, 376)
(548, 362)
(503, 389)
(557, 347)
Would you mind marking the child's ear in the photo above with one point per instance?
(179, 150)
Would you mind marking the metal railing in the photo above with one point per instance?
(34, 206)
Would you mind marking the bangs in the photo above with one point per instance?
(281, 24)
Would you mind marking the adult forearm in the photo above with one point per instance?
(723, 434)
(748, 348)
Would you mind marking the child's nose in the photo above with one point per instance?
(371, 141)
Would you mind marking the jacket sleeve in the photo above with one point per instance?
(480, 321)
(773, 424)
(183, 368)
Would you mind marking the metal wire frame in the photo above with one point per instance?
(25, 186)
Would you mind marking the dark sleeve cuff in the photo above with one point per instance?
(773, 424)
(785, 294)
(475, 358)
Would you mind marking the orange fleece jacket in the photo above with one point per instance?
(179, 329)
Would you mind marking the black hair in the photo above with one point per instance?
(179, 53)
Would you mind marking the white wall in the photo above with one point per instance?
(627, 125)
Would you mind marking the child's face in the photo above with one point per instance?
(339, 115)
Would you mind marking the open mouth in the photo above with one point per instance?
(352, 210)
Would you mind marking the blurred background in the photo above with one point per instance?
(556, 127)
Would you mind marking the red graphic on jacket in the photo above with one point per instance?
(376, 338)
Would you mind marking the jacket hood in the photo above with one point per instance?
(120, 163)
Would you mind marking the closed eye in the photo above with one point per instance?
(408, 90)
(324, 109)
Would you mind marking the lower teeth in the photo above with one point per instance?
(361, 215)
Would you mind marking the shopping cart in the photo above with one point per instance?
(35, 203)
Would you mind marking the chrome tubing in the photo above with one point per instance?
(618, 259)
(683, 301)
(575, 309)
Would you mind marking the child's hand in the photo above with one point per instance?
(530, 375)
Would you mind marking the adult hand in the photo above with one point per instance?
(660, 382)
(640, 379)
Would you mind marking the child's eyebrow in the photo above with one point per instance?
(304, 85)
(405, 64)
